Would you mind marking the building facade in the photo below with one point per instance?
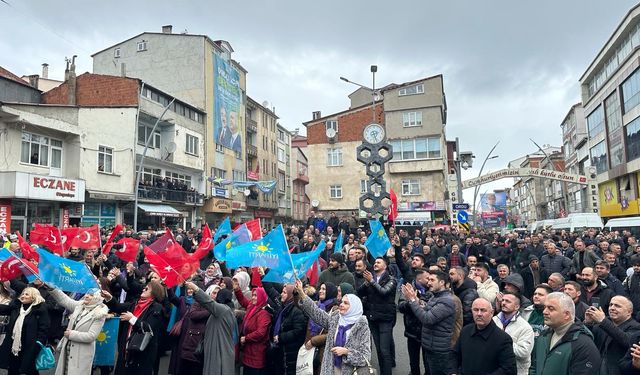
(576, 156)
(611, 96)
(414, 115)
(284, 187)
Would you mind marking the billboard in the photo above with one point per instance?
(494, 209)
(227, 95)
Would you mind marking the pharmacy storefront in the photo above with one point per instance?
(26, 199)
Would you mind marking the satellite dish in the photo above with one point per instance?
(171, 147)
(331, 133)
(247, 192)
(315, 203)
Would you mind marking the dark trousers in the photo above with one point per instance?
(382, 333)
(438, 362)
(414, 347)
(14, 366)
(246, 370)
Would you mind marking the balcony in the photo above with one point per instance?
(252, 151)
(252, 202)
(152, 193)
(252, 126)
(302, 177)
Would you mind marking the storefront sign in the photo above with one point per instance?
(53, 188)
(65, 218)
(217, 205)
(263, 214)
(421, 206)
(219, 192)
(5, 218)
(239, 206)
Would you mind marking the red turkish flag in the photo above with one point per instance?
(85, 238)
(129, 250)
(48, 236)
(27, 251)
(256, 280)
(162, 242)
(253, 226)
(106, 248)
(204, 247)
(13, 267)
(313, 274)
(173, 265)
(393, 208)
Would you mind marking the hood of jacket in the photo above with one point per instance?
(467, 283)
(514, 279)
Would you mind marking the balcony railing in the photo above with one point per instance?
(252, 202)
(170, 195)
(252, 126)
(252, 151)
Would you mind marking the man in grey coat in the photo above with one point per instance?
(437, 317)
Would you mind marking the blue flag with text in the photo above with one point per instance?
(270, 251)
(301, 264)
(65, 274)
(223, 228)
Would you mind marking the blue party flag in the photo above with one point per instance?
(337, 247)
(223, 228)
(65, 274)
(270, 251)
(4, 254)
(301, 264)
(107, 343)
(377, 243)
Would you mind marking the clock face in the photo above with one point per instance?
(373, 133)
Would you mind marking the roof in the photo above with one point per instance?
(4, 73)
(392, 86)
(253, 101)
(155, 33)
(573, 107)
(340, 113)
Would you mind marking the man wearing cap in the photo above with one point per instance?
(337, 272)
(583, 257)
(520, 256)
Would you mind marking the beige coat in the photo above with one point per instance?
(82, 340)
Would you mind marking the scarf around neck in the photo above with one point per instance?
(315, 328)
(16, 346)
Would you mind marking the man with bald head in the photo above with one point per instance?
(483, 348)
(566, 347)
(613, 335)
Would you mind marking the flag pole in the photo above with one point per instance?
(295, 275)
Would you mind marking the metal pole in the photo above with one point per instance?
(458, 171)
(553, 166)
(477, 188)
(139, 172)
(373, 94)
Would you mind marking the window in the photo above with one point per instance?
(142, 46)
(412, 119)
(282, 157)
(595, 122)
(335, 191)
(39, 150)
(631, 91)
(105, 159)
(414, 149)
(599, 157)
(334, 157)
(331, 124)
(192, 146)
(363, 186)
(151, 174)
(410, 187)
(178, 178)
(116, 52)
(612, 109)
(219, 148)
(411, 90)
(282, 181)
(221, 173)
(616, 154)
(633, 139)
(144, 132)
(239, 175)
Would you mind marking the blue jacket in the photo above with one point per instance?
(437, 318)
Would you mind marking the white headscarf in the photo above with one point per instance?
(354, 313)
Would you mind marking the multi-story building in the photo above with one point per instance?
(284, 214)
(611, 99)
(576, 156)
(80, 149)
(264, 205)
(414, 115)
(199, 71)
(300, 176)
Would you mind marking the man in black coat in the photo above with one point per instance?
(413, 325)
(466, 290)
(483, 348)
(379, 290)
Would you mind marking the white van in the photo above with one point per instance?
(544, 224)
(631, 224)
(578, 222)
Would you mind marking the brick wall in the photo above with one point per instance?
(96, 90)
(350, 126)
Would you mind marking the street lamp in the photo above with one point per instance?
(553, 166)
(463, 160)
(477, 188)
(374, 69)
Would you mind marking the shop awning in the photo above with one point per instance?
(159, 210)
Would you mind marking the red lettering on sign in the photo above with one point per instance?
(53, 184)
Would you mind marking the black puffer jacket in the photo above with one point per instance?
(467, 293)
(412, 325)
(437, 321)
(379, 299)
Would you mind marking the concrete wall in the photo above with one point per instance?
(14, 92)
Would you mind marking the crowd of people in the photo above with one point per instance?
(471, 303)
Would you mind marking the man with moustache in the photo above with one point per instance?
(594, 288)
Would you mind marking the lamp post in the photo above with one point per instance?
(477, 188)
(139, 171)
(553, 166)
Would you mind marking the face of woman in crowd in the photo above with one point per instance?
(87, 298)
(214, 294)
(344, 305)
(211, 271)
(25, 298)
(155, 277)
(254, 297)
(146, 292)
(339, 296)
(322, 293)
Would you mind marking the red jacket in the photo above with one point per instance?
(255, 330)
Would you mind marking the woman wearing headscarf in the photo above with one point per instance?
(221, 331)
(254, 331)
(146, 312)
(316, 335)
(243, 279)
(78, 346)
(28, 323)
(348, 343)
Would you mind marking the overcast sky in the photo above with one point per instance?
(511, 68)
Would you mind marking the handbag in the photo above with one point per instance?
(304, 363)
(364, 370)
(45, 359)
(140, 339)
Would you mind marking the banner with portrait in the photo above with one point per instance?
(227, 96)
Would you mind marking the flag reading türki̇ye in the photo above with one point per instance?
(66, 274)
